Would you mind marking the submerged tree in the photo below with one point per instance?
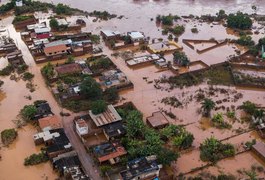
(207, 106)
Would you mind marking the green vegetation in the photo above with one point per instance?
(7, 70)
(143, 141)
(249, 144)
(35, 159)
(220, 75)
(94, 38)
(63, 9)
(54, 24)
(239, 21)
(111, 94)
(231, 114)
(194, 30)
(48, 71)
(218, 121)
(1, 83)
(7, 7)
(104, 169)
(181, 58)
(167, 20)
(102, 15)
(8, 136)
(207, 106)
(27, 76)
(245, 41)
(28, 112)
(90, 88)
(21, 18)
(22, 68)
(77, 105)
(98, 107)
(213, 150)
(250, 80)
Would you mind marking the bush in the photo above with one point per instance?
(245, 41)
(239, 21)
(213, 150)
(48, 71)
(8, 136)
(194, 30)
(27, 76)
(98, 107)
(90, 88)
(218, 121)
(167, 20)
(7, 70)
(178, 30)
(35, 159)
(111, 94)
(21, 18)
(181, 58)
(54, 24)
(63, 9)
(28, 112)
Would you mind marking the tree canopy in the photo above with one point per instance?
(98, 106)
(90, 88)
(180, 58)
(239, 21)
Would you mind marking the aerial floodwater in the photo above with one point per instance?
(112, 89)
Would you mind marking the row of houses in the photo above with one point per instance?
(58, 148)
(10, 51)
(110, 150)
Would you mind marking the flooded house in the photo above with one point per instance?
(81, 127)
(105, 118)
(114, 130)
(50, 122)
(7, 48)
(164, 47)
(115, 78)
(157, 120)
(43, 110)
(109, 151)
(143, 60)
(72, 68)
(141, 168)
(110, 35)
(15, 58)
(136, 37)
(69, 166)
(259, 150)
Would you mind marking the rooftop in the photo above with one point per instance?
(50, 122)
(110, 33)
(68, 68)
(107, 151)
(157, 119)
(115, 129)
(136, 35)
(81, 123)
(57, 48)
(143, 59)
(59, 42)
(140, 166)
(107, 117)
(259, 147)
(42, 30)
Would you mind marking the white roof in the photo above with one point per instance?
(76, 89)
(62, 22)
(42, 30)
(110, 33)
(34, 26)
(136, 35)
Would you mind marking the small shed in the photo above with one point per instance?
(157, 120)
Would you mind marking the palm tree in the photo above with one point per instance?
(207, 106)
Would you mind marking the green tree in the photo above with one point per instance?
(249, 107)
(180, 58)
(261, 42)
(111, 94)
(63, 9)
(239, 21)
(90, 88)
(245, 41)
(166, 156)
(169, 131)
(134, 124)
(184, 140)
(207, 105)
(70, 59)
(48, 71)
(54, 24)
(98, 107)
(28, 112)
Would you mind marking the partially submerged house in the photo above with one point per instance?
(259, 149)
(110, 35)
(81, 127)
(157, 120)
(107, 117)
(109, 151)
(15, 58)
(68, 69)
(50, 122)
(136, 36)
(43, 110)
(114, 78)
(56, 50)
(114, 130)
(141, 168)
(143, 60)
(164, 47)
